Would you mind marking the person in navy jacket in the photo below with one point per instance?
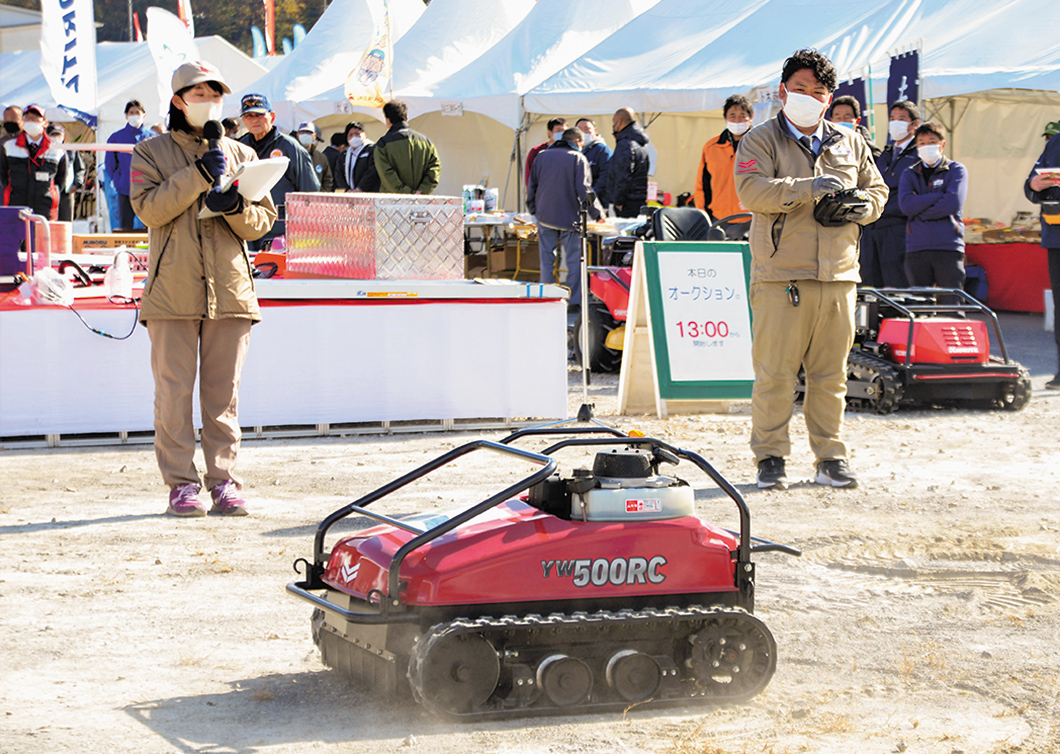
(931, 194)
(117, 163)
(1044, 189)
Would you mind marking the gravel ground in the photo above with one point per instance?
(922, 616)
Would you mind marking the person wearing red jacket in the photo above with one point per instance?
(32, 168)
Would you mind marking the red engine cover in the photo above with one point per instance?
(614, 296)
(516, 553)
(939, 340)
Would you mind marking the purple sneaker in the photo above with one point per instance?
(227, 501)
(184, 501)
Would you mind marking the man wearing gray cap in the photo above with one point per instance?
(309, 137)
(268, 141)
(199, 300)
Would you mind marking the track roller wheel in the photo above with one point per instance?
(601, 358)
(634, 675)
(1016, 395)
(566, 680)
(456, 674)
(733, 657)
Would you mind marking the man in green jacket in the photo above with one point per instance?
(803, 273)
(406, 160)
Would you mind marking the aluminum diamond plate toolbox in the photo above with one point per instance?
(375, 236)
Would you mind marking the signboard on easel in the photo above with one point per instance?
(687, 346)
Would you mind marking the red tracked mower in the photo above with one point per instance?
(587, 591)
(610, 284)
(927, 346)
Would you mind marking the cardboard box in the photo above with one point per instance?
(88, 243)
(515, 254)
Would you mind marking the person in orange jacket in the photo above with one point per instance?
(715, 188)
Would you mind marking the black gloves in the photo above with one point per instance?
(212, 164)
(823, 185)
(222, 202)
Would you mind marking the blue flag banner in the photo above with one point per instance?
(904, 79)
(857, 89)
(286, 46)
(297, 34)
(259, 42)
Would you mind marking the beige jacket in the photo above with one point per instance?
(198, 269)
(774, 173)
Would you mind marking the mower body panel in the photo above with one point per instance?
(939, 340)
(520, 554)
(615, 296)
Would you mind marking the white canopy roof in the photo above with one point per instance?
(553, 34)
(689, 55)
(322, 61)
(449, 35)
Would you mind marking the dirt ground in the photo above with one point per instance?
(922, 616)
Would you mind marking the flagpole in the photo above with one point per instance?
(389, 46)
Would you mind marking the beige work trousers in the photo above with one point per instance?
(216, 349)
(817, 334)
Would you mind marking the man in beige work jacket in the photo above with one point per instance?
(199, 300)
(803, 274)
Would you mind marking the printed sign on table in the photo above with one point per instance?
(687, 345)
(705, 316)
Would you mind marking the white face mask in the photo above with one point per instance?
(898, 129)
(33, 129)
(200, 113)
(803, 110)
(738, 129)
(557, 136)
(355, 142)
(136, 121)
(929, 154)
(306, 140)
(844, 124)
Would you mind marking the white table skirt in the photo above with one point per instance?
(309, 363)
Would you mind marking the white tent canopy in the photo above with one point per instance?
(552, 35)
(441, 42)
(688, 55)
(323, 60)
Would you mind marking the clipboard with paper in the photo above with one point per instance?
(256, 178)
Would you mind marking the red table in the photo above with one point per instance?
(1017, 274)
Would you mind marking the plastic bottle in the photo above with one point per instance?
(118, 279)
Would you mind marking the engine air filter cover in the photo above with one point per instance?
(623, 463)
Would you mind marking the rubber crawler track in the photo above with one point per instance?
(704, 655)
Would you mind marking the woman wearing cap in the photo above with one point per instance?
(199, 301)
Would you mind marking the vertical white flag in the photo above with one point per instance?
(171, 45)
(68, 56)
(184, 12)
(368, 84)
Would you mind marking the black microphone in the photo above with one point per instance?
(212, 132)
